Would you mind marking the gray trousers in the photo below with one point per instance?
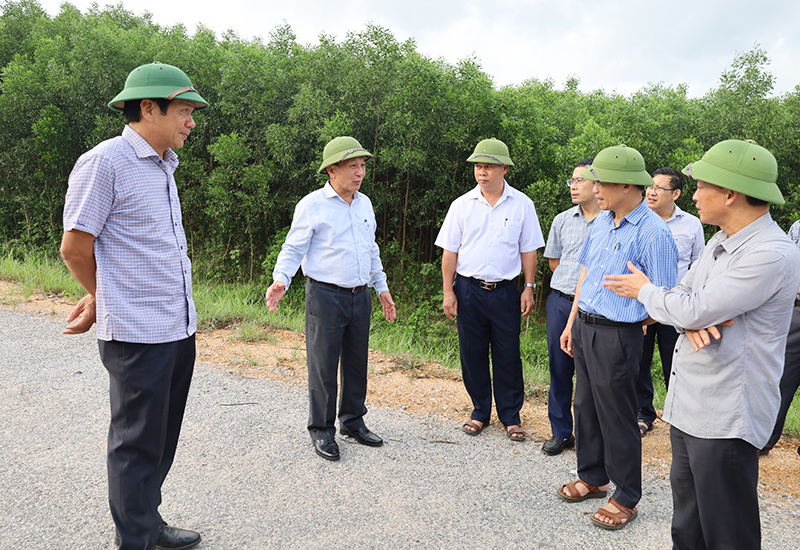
(337, 328)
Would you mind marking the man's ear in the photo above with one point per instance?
(674, 196)
(147, 109)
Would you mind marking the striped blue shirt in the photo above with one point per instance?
(567, 234)
(124, 194)
(641, 238)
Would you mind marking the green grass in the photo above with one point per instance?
(421, 333)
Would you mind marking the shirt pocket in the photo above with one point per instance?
(511, 232)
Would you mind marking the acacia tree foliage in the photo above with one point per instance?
(275, 103)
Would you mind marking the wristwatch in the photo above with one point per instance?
(533, 286)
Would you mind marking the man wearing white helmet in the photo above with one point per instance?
(489, 235)
(734, 308)
(333, 237)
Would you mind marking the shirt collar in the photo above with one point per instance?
(730, 244)
(331, 193)
(634, 216)
(476, 194)
(676, 213)
(144, 150)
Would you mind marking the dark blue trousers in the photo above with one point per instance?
(149, 385)
(490, 320)
(608, 444)
(337, 328)
(667, 337)
(562, 367)
(714, 493)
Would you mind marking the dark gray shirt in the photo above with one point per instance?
(729, 389)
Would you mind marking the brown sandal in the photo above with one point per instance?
(621, 518)
(516, 433)
(594, 491)
(471, 427)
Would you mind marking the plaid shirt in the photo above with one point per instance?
(124, 194)
(567, 235)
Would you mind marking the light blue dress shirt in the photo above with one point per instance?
(333, 241)
(689, 238)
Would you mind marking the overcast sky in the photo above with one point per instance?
(614, 45)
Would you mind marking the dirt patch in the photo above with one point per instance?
(430, 388)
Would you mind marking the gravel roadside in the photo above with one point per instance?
(246, 475)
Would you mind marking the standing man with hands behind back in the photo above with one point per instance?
(488, 235)
(333, 236)
(124, 243)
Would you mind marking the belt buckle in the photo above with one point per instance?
(488, 286)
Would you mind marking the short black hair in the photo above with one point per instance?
(752, 201)
(133, 112)
(676, 179)
(585, 162)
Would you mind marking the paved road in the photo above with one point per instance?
(246, 475)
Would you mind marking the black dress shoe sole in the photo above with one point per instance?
(159, 547)
(332, 458)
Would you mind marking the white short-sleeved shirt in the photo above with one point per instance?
(487, 239)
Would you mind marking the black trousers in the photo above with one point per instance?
(490, 318)
(790, 380)
(337, 328)
(149, 385)
(667, 338)
(608, 444)
(714, 493)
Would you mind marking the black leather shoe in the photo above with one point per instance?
(326, 448)
(555, 445)
(362, 435)
(171, 538)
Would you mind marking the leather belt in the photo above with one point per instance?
(341, 288)
(592, 319)
(570, 297)
(485, 285)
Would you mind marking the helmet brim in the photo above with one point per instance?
(154, 92)
(758, 189)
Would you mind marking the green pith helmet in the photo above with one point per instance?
(619, 164)
(491, 151)
(341, 148)
(742, 166)
(157, 81)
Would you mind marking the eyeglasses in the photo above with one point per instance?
(658, 189)
(576, 181)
